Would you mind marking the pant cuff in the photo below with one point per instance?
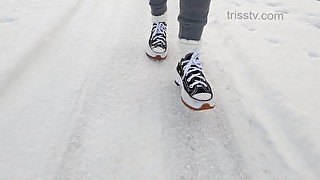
(190, 32)
(158, 10)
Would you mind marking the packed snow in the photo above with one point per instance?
(79, 99)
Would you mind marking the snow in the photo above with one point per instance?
(79, 99)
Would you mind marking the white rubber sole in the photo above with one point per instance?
(156, 56)
(190, 102)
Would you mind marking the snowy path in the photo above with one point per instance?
(80, 100)
(274, 68)
(109, 111)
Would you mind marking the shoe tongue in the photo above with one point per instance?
(188, 56)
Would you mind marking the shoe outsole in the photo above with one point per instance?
(205, 106)
(157, 57)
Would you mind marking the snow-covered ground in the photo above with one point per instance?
(80, 100)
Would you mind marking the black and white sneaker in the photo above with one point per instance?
(157, 45)
(196, 92)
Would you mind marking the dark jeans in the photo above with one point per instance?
(192, 18)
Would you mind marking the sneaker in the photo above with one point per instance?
(157, 45)
(196, 92)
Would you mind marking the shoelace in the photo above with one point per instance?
(194, 65)
(159, 34)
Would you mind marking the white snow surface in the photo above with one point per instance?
(79, 99)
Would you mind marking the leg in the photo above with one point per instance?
(193, 18)
(158, 7)
(157, 44)
(196, 92)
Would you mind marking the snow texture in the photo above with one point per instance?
(79, 99)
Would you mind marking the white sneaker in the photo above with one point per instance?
(196, 92)
(157, 44)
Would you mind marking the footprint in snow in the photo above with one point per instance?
(316, 24)
(312, 21)
(273, 41)
(7, 20)
(283, 11)
(273, 4)
(235, 3)
(251, 1)
(249, 28)
(312, 54)
(312, 15)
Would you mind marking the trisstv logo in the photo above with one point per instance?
(234, 15)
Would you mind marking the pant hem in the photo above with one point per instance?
(157, 10)
(190, 32)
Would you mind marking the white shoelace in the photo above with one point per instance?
(188, 68)
(157, 33)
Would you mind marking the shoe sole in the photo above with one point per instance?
(192, 103)
(155, 56)
(205, 106)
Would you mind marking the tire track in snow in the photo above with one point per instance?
(101, 19)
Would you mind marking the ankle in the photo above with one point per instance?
(188, 46)
(161, 18)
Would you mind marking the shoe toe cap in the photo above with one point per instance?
(158, 50)
(203, 96)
